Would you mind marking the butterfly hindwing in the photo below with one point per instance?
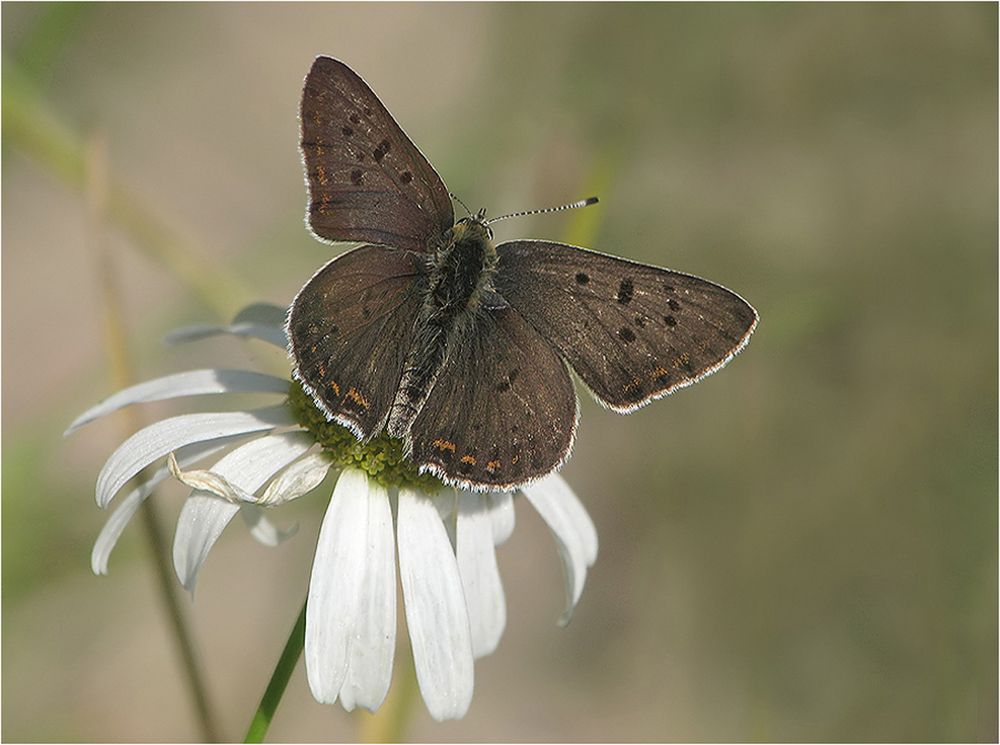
(345, 329)
(503, 410)
(367, 180)
(631, 331)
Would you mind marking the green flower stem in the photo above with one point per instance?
(279, 681)
(31, 126)
(95, 189)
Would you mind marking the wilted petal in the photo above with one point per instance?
(156, 440)
(208, 481)
(477, 565)
(262, 529)
(203, 517)
(191, 383)
(501, 515)
(338, 572)
(559, 507)
(435, 608)
(123, 513)
(369, 667)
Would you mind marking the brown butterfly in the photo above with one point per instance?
(462, 348)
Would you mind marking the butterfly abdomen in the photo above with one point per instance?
(461, 277)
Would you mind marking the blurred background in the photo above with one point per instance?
(802, 547)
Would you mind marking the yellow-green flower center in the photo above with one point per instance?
(381, 457)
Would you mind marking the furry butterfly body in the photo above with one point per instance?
(460, 347)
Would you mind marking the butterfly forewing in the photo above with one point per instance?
(347, 330)
(632, 332)
(503, 410)
(367, 180)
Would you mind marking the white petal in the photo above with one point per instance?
(262, 529)
(299, 478)
(204, 517)
(435, 608)
(477, 564)
(156, 440)
(123, 513)
(576, 513)
(191, 383)
(501, 515)
(270, 334)
(264, 314)
(446, 502)
(369, 667)
(338, 572)
(554, 501)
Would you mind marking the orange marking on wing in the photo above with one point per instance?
(352, 393)
(493, 466)
(332, 385)
(444, 445)
(636, 382)
(683, 361)
(514, 460)
(659, 372)
(470, 459)
(321, 175)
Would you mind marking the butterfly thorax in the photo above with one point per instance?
(460, 287)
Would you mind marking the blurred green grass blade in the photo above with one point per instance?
(31, 127)
(55, 26)
(585, 223)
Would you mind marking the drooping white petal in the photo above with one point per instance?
(123, 513)
(559, 507)
(265, 314)
(446, 502)
(435, 608)
(270, 334)
(204, 517)
(373, 643)
(156, 440)
(501, 515)
(191, 383)
(577, 514)
(263, 530)
(299, 478)
(338, 572)
(477, 565)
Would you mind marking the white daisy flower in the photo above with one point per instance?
(452, 594)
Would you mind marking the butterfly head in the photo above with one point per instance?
(475, 225)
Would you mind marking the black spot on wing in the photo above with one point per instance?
(626, 290)
(380, 150)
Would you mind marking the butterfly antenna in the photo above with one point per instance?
(455, 197)
(582, 203)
